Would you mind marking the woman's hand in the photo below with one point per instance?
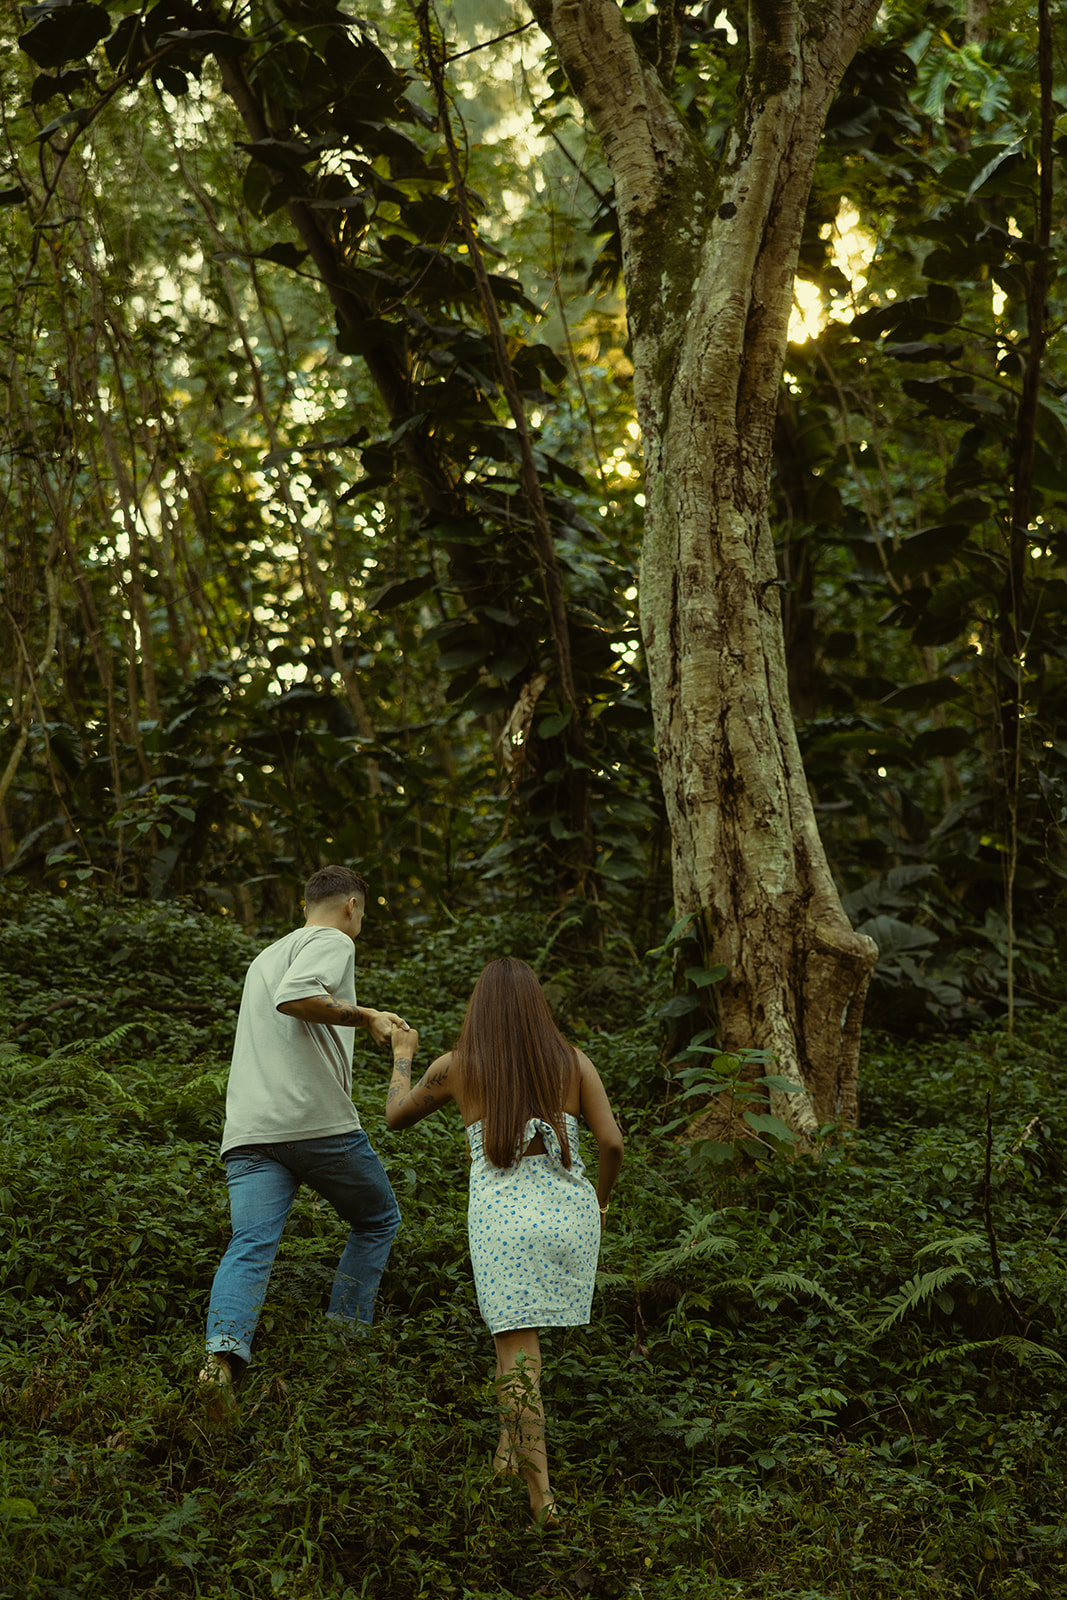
(404, 1040)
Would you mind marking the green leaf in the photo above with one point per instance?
(46, 87)
(65, 33)
(462, 656)
(682, 929)
(373, 333)
(126, 48)
(679, 1005)
(16, 1506)
(288, 155)
(928, 549)
(942, 742)
(711, 1150)
(550, 726)
(172, 80)
(395, 594)
(924, 696)
(256, 188)
(619, 870)
(283, 254)
(923, 350)
(994, 165)
(77, 118)
(702, 976)
(214, 41)
(559, 830)
(943, 303)
(892, 935)
(774, 1127)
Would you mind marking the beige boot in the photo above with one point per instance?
(217, 1390)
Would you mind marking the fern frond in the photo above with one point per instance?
(614, 1280)
(792, 1283)
(915, 1292)
(952, 1246)
(70, 1079)
(1024, 1351)
(91, 1047)
(215, 1081)
(45, 1099)
(698, 1244)
(735, 1285)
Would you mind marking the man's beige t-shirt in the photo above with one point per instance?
(289, 1079)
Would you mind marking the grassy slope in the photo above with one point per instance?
(805, 1381)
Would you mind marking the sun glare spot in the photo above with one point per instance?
(807, 318)
(723, 21)
(851, 253)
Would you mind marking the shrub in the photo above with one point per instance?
(840, 1376)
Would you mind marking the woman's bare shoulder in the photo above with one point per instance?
(451, 1067)
(572, 1094)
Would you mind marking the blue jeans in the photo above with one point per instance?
(263, 1180)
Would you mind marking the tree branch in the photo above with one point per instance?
(531, 482)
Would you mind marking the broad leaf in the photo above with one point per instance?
(65, 33)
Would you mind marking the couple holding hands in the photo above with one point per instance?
(534, 1219)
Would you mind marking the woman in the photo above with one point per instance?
(534, 1220)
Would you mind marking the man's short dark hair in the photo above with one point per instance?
(333, 883)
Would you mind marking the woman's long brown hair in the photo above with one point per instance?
(514, 1059)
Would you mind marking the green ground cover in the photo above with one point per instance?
(840, 1376)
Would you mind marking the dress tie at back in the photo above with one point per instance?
(553, 1148)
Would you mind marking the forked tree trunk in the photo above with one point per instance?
(709, 256)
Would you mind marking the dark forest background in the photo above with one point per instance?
(271, 591)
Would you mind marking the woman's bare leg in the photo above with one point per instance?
(522, 1416)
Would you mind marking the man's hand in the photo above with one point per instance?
(380, 1024)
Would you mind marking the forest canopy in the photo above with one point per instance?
(321, 527)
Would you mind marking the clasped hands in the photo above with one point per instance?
(405, 1040)
(381, 1025)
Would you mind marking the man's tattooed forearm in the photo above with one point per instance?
(346, 1015)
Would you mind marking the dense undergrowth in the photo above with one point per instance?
(840, 1376)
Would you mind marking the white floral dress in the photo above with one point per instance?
(534, 1231)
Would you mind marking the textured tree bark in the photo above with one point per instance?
(709, 256)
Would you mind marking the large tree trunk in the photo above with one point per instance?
(709, 255)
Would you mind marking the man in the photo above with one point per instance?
(290, 1120)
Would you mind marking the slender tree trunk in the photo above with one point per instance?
(709, 256)
(1014, 629)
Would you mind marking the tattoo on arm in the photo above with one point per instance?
(346, 1016)
(401, 1083)
(435, 1078)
